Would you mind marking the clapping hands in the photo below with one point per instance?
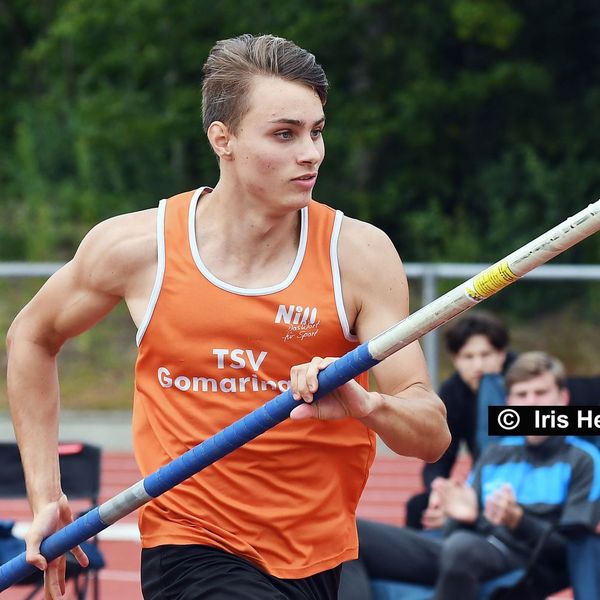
(450, 499)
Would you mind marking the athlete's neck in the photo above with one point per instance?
(243, 244)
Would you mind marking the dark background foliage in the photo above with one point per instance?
(463, 128)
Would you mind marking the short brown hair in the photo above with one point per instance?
(232, 63)
(476, 322)
(533, 364)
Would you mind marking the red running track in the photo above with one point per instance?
(393, 480)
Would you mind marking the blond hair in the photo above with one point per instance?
(533, 364)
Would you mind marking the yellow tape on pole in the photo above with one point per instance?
(490, 281)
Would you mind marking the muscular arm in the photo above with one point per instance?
(62, 308)
(408, 415)
(404, 410)
(105, 269)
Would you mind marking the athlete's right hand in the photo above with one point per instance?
(348, 400)
(50, 518)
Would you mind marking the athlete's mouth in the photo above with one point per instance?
(305, 177)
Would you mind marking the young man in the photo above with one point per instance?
(522, 491)
(477, 344)
(229, 287)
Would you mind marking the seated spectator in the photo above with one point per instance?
(524, 495)
(478, 345)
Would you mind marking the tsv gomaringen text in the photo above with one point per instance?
(237, 358)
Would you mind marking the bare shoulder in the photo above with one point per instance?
(366, 252)
(373, 277)
(116, 259)
(116, 251)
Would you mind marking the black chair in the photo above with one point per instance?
(585, 391)
(80, 480)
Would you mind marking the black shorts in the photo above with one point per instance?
(174, 572)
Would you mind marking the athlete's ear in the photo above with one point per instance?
(219, 138)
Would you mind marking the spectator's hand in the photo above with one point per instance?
(433, 516)
(349, 400)
(457, 500)
(501, 507)
(52, 517)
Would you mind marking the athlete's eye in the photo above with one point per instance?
(285, 135)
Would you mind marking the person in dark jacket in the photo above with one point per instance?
(478, 344)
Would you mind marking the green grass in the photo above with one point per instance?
(96, 369)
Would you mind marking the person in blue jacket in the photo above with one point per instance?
(525, 495)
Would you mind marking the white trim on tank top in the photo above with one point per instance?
(160, 271)
(233, 288)
(337, 279)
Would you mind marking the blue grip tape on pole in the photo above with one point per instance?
(252, 425)
(232, 437)
(52, 547)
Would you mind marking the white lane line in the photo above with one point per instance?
(119, 532)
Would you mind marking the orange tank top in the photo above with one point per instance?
(210, 353)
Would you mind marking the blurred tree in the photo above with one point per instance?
(461, 127)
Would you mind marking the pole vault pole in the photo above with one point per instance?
(478, 288)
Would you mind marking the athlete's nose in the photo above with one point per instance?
(310, 153)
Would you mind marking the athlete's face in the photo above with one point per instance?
(278, 147)
(476, 358)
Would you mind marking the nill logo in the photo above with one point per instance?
(296, 315)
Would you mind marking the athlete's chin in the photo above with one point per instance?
(302, 197)
(299, 199)
(303, 202)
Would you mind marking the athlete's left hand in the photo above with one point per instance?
(348, 400)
